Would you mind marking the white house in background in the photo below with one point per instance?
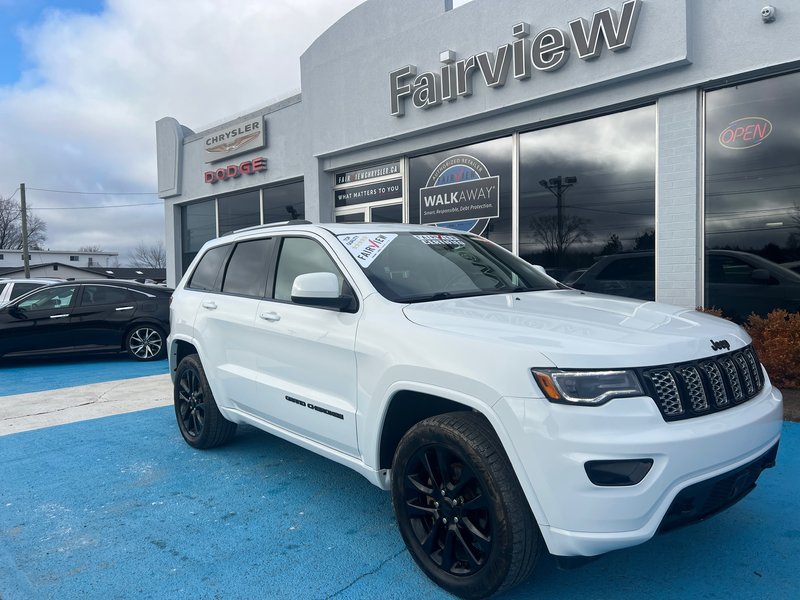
(73, 258)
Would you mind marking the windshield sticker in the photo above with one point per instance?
(440, 240)
(366, 248)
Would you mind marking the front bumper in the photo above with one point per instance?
(552, 443)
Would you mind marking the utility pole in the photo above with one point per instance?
(25, 260)
(558, 186)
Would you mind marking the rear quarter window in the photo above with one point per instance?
(206, 275)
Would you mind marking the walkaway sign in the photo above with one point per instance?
(473, 199)
(547, 51)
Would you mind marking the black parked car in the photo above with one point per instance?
(88, 316)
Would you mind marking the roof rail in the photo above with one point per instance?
(276, 224)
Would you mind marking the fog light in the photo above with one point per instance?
(618, 472)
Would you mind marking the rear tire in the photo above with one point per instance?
(199, 420)
(460, 509)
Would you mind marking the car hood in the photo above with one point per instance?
(576, 329)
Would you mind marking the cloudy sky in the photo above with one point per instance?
(82, 83)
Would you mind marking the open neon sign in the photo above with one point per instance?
(745, 133)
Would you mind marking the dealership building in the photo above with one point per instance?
(659, 136)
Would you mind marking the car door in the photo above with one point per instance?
(39, 322)
(103, 315)
(225, 320)
(305, 359)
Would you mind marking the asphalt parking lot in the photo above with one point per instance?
(120, 507)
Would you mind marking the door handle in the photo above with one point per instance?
(270, 316)
(59, 316)
(209, 304)
(121, 308)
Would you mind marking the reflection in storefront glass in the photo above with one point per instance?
(752, 191)
(284, 203)
(239, 211)
(587, 190)
(392, 213)
(198, 225)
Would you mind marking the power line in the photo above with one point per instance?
(96, 207)
(94, 193)
(11, 197)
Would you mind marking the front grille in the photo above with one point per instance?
(700, 387)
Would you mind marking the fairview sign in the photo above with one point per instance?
(548, 51)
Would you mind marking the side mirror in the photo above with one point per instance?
(540, 268)
(319, 289)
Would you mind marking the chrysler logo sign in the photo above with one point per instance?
(239, 138)
(549, 50)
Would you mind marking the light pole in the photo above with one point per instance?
(558, 186)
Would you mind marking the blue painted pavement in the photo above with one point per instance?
(38, 375)
(121, 507)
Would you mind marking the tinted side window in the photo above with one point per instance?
(206, 275)
(630, 269)
(97, 295)
(49, 298)
(730, 270)
(23, 288)
(247, 269)
(299, 256)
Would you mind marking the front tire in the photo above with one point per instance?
(146, 342)
(460, 509)
(199, 420)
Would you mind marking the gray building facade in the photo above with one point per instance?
(657, 140)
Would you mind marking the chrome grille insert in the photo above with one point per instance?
(695, 388)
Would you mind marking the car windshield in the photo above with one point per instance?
(419, 267)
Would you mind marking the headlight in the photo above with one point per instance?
(587, 387)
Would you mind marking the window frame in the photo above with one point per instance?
(346, 277)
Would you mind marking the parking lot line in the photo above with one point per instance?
(23, 412)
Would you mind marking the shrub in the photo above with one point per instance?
(776, 339)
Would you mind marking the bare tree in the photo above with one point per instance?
(557, 236)
(11, 227)
(149, 256)
(94, 248)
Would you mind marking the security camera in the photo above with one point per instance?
(768, 14)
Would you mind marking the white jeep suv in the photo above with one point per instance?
(506, 412)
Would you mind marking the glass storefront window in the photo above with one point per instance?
(239, 211)
(467, 188)
(392, 213)
(587, 190)
(198, 225)
(284, 202)
(752, 205)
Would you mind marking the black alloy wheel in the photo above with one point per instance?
(460, 508)
(191, 404)
(448, 510)
(146, 342)
(200, 422)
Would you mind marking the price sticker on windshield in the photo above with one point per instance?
(366, 248)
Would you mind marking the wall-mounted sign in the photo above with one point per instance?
(383, 170)
(460, 193)
(371, 192)
(248, 167)
(235, 139)
(745, 133)
(548, 50)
